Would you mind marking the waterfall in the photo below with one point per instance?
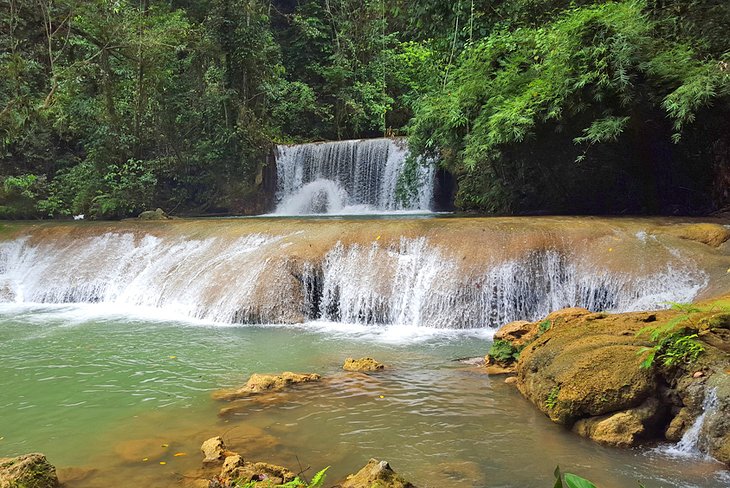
(347, 177)
(692, 443)
(290, 277)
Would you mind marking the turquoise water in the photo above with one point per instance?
(121, 390)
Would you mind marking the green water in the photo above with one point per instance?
(101, 391)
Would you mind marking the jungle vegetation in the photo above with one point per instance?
(111, 107)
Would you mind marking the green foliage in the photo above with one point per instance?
(504, 352)
(569, 480)
(543, 327)
(552, 399)
(591, 71)
(188, 97)
(675, 341)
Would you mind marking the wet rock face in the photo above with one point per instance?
(362, 365)
(27, 471)
(376, 474)
(259, 383)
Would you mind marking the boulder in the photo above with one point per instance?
(259, 383)
(362, 365)
(376, 474)
(158, 214)
(235, 468)
(214, 450)
(621, 429)
(588, 365)
(27, 471)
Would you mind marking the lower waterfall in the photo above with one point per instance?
(279, 277)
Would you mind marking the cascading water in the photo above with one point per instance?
(693, 443)
(358, 176)
(279, 278)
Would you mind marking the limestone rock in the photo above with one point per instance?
(214, 450)
(716, 427)
(230, 465)
(158, 214)
(621, 429)
(259, 383)
(517, 333)
(587, 366)
(236, 468)
(27, 471)
(362, 364)
(711, 234)
(679, 424)
(376, 474)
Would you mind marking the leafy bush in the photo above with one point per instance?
(504, 352)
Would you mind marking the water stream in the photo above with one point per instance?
(112, 337)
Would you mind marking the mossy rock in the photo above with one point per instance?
(27, 471)
(586, 365)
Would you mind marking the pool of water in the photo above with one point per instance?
(108, 394)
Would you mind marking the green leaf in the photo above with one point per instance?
(574, 481)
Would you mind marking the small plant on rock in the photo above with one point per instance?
(552, 399)
(674, 342)
(504, 352)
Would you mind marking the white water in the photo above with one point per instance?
(347, 177)
(259, 279)
(692, 443)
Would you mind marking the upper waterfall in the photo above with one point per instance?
(346, 177)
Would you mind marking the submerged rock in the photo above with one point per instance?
(259, 383)
(375, 474)
(362, 364)
(27, 471)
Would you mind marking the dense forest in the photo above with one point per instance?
(111, 107)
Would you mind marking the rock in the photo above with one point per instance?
(235, 468)
(716, 427)
(679, 424)
(376, 474)
(362, 364)
(498, 369)
(158, 214)
(511, 380)
(214, 450)
(259, 383)
(27, 471)
(230, 465)
(621, 429)
(517, 333)
(711, 234)
(585, 367)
